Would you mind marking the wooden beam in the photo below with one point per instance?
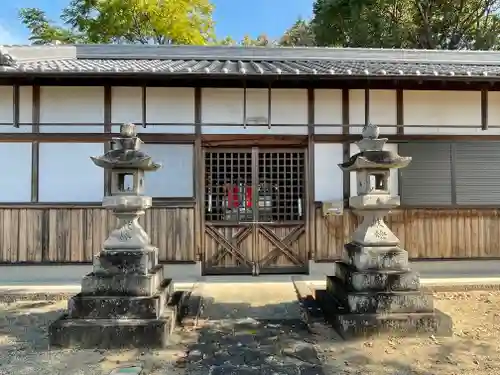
(484, 108)
(311, 217)
(144, 105)
(35, 145)
(108, 101)
(346, 147)
(92, 137)
(260, 140)
(367, 106)
(198, 177)
(15, 105)
(399, 112)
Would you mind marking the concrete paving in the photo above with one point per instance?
(242, 300)
(67, 278)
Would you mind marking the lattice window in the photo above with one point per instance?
(242, 186)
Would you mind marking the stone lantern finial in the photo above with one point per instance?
(128, 130)
(370, 131)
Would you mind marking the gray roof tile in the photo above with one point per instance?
(187, 60)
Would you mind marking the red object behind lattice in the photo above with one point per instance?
(233, 196)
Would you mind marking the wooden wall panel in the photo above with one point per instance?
(42, 234)
(424, 233)
(76, 234)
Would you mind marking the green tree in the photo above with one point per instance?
(125, 21)
(300, 34)
(429, 24)
(247, 41)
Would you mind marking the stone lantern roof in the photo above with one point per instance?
(372, 155)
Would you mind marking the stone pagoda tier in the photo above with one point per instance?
(123, 302)
(373, 289)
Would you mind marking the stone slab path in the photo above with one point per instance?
(251, 328)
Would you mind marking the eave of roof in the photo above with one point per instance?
(119, 60)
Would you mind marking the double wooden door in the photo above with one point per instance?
(255, 211)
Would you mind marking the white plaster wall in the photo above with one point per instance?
(72, 104)
(382, 110)
(394, 181)
(66, 173)
(15, 184)
(225, 106)
(443, 110)
(328, 111)
(174, 105)
(493, 112)
(175, 178)
(7, 109)
(126, 106)
(328, 177)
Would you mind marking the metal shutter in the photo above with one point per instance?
(427, 180)
(477, 172)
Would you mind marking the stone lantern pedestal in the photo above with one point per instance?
(123, 302)
(373, 289)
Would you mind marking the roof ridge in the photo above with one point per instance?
(185, 52)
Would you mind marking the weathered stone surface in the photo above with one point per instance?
(109, 307)
(123, 301)
(111, 333)
(375, 257)
(127, 261)
(373, 289)
(407, 324)
(376, 280)
(373, 231)
(379, 301)
(389, 302)
(350, 325)
(123, 284)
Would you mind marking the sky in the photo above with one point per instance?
(270, 17)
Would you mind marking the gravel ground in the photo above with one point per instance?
(474, 348)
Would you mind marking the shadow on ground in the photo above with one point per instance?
(231, 344)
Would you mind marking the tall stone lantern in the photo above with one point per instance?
(123, 301)
(373, 289)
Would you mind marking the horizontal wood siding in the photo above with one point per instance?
(76, 234)
(424, 233)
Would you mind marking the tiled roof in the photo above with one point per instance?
(189, 60)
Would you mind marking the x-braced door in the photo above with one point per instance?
(255, 211)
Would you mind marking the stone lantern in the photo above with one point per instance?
(373, 290)
(123, 301)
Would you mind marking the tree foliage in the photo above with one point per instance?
(299, 35)
(125, 21)
(247, 41)
(429, 24)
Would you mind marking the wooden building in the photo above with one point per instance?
(250, 139)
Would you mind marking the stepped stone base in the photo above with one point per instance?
(375, 257)
(123, 304)
(368, 302)
(409, 324)
(132, 307)
(112, 333)
(127, 284)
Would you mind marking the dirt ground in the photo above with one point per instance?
(474, 348)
